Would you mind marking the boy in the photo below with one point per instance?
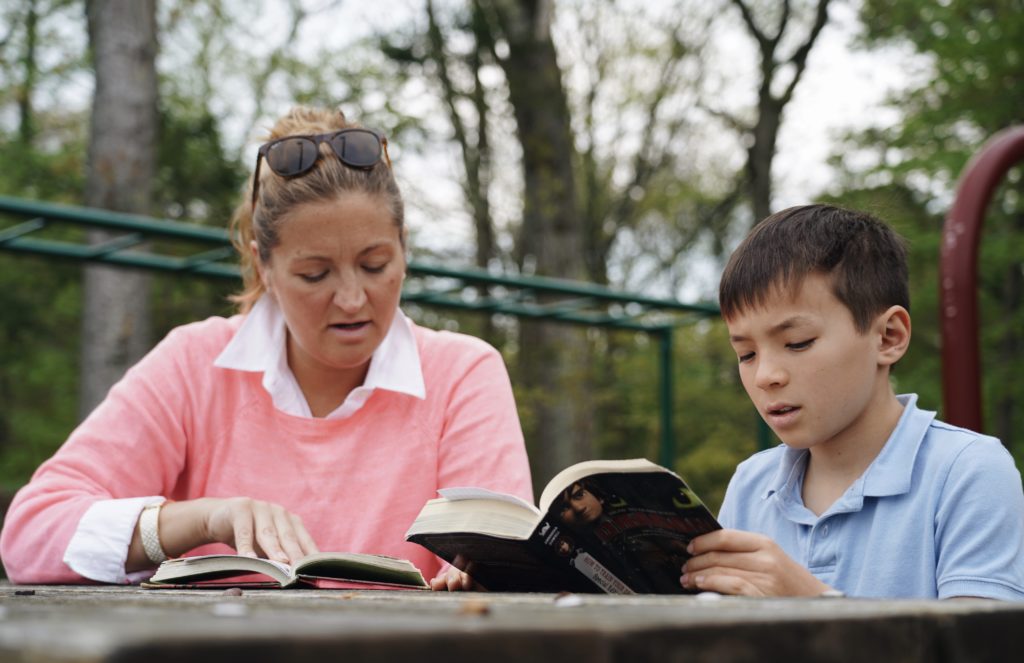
(869, 496)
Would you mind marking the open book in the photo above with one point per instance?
(616, 526)
(325, 570)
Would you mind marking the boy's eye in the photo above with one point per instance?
(313, 278)
(802, 345)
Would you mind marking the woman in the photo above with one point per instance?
(320, 417)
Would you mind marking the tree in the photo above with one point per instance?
(775, 72)
(971, 87)
(122, 164)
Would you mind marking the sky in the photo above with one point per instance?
(842, 89)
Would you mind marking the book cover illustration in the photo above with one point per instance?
(626, 532)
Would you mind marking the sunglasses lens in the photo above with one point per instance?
(292, 156)
(359, 149)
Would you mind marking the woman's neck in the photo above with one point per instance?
(324, 388)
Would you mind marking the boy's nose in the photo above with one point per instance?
(770, 374)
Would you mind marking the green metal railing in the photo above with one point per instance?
(47, 229)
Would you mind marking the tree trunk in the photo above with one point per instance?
(550, 242)
(122, 163)
(765, 132)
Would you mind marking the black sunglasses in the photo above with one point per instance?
(292, 156)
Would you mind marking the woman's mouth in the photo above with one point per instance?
(349, 329)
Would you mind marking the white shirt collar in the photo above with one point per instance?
(259, 345)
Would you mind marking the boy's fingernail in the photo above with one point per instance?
(689, 547)
(685, 579)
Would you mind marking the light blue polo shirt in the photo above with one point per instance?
(939, 513)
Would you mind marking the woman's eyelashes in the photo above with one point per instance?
(315, 277)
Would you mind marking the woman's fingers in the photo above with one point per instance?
(258, 528)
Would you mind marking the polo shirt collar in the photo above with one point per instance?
(888, 474)
(259, 345)
(891, 471)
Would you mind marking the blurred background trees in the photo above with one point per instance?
(626, 143)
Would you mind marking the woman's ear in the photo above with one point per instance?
(894, 335)
(261, 270)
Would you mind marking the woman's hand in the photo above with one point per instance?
(735, 562)
(257, 529)
(451, 579)
(252, 527)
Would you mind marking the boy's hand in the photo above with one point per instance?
(730, 561)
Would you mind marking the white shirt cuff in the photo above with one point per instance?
(99, 546)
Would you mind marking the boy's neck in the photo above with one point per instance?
(833, 466)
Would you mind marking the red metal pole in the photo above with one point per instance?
(958, 276)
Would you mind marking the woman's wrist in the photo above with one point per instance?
(183, 526)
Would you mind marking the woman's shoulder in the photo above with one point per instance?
(203, 337)
(445, 345)
(448, 357)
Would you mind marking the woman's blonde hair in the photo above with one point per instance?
(329, 177)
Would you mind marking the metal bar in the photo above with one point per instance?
(520, 311)
(114, 245)
(25, 228)
(106, 219)
(958, 270)
(213, 255)
(667, 452)
(78, 252)
(559, 286)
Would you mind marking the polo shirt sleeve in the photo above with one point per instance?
(979, 527)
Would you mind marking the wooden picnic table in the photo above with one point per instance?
(126, 624)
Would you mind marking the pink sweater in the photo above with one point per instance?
(177, 426)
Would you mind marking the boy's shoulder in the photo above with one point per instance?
(945, 444)
(763, 466)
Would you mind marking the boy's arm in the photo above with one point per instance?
(731, 561)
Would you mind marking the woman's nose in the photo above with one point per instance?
(349, 296)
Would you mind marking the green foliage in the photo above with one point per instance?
(973, 89)
(715, 426)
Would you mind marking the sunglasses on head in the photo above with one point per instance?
(292, 156)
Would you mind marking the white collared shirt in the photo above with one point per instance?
(260, 345)
(99, 547)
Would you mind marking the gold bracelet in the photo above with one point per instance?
(149, 530)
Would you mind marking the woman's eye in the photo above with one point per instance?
(313, 278)
(375, 269)
(802, 345)
(746, 357)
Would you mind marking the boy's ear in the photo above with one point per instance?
(894, 335)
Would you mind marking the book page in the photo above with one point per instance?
(468, 493)
(220, 566)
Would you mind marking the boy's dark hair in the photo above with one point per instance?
(865, 259)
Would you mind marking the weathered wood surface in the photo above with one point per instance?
(71, 624)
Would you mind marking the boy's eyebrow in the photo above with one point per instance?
(788, 323)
